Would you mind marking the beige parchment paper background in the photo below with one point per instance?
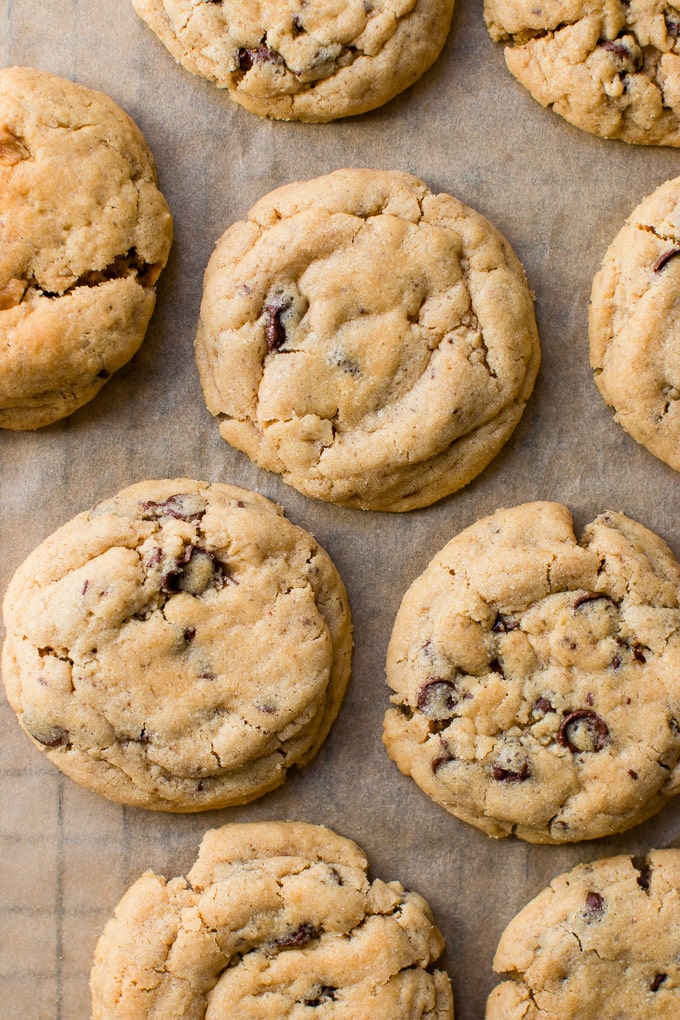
(560, 196)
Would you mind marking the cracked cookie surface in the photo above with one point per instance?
(371, 341)
(600, 943)
(178, 647)
(84, 235)
(275, 920)
(537, 677)
(310, 60)
(610, 67)
(634, 320)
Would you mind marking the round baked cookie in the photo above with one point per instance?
(635, 324)
(369, 340)
(608, 66)
(537, 677)
(309, 60)
(275, 921)
(178, 647)
(601, 943)
(84, 235)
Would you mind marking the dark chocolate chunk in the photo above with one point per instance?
(583, 730)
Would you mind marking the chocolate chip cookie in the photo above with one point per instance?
(84, 235)
(275, 920)
(537, 677)
(310, 60)
(371, 341)
(608, 66)
(634, 320)
(178, 647)
(601, 943)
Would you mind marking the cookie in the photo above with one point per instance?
(634, 335)
(309, 60)
(275, 920)
(537, 677)
(372, 342)
(84, 235)
(178, 647)
(610, 68)
(601, 943)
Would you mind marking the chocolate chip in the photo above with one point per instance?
(672, 26)
(542, 707)
(274, 329)
(632, 773)
(502, 775)
(181, 507)
(644, 869)
(664, 259)
(637, 653)
(49, 736)
(496, 667)
(594, 904)
(657, 980)
(298, 27)
(297, 937)
(591, 597)
(438, 698)
(616, 662)
(615, 47)
(440, 761)
(262, 54)
(503, 624)
(583, 730)
(195, 572)
(189, 634)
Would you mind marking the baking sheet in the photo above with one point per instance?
(559, 196)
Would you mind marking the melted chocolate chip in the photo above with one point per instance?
(262, 54)
(195, 572)
(664, 259)
(496, 667)
(672, 25)
(274, 329)
(632, 773)
(297, 937)
(644, 870)
(542, 707)
(594, 904)
(502, 775)
(583, 730)
(637, 653)
(438, 698)
(657, 981)
(503, 624)
(178, 506)
(189, 634)
(51, 736)
(440, 761)
(616, 48)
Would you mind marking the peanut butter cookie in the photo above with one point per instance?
(275, 920)
(635, 324)
(310, 60)
(537, 677)
(178, 647)
(601, 943)
(608, 66)
(84, 235)
(372, 342)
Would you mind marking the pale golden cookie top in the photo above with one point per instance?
(599, 944)
(275, 920)
(608, 66)
(84, 235)
(373, 342)
(634, 334)
(178, 647)
(310, 60)
(537, 676)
